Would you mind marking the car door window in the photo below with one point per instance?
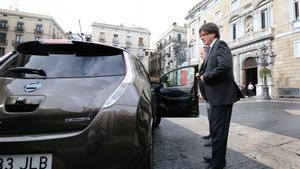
(182, 77)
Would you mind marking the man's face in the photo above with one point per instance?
(207, 38)
(202, 53)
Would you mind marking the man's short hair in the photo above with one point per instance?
(210, 28)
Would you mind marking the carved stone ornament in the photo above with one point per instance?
(248, 24)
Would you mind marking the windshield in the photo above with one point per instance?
(67, 65)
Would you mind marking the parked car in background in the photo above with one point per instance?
(72, 104)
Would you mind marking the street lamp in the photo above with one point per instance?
(264, 59)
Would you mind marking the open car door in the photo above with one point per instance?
(177, 93)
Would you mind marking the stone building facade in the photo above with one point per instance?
(17, 27)
(248, 25)
(154, 64)
(135, 39)
(172, 48)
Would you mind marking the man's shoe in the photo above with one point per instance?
(208, 144)
(207, 159)
(206, 137)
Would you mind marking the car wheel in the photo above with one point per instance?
(157, 121)
(149, 160)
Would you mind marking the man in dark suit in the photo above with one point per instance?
(220, 90)
(203, 54)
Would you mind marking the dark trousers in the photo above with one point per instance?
(209, 119)
(220, 116)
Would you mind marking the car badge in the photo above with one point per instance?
(31, 87)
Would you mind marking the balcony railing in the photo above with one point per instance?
(252, 37)
(3, 43)
(38, 31)
(172, 40)
(4, 27)
(115, 41)
(101, 40)
(19, 29)
(141, 44)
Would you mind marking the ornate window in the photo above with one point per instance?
(235, 29)
(128, 40)
(2, 51)
(296, 10)
(115, 39)
(264, 18)
(141, 41)
(19, 38)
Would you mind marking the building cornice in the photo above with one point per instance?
(133, 29)
(172, 28)
(30, 15)
(196, 8)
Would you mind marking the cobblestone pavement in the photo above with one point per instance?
(178, 144)
(176, 147)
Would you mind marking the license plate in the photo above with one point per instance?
(26, 161)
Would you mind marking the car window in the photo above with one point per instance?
(69, 65)
(181, 77)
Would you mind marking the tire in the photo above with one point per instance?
(148, 164)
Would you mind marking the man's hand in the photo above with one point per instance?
(197, 75)
(201, 78)
(200, 96)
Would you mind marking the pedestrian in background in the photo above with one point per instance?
(203, 54)
(220, 89)
(243, 88)
(250, 90)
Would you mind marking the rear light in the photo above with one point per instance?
(123, 85)
(116, 95)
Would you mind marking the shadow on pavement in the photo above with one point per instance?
(178, 148)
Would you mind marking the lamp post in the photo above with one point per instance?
(264, 59)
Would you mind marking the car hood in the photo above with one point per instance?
(30, 106)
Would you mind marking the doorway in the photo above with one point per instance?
(250, 72)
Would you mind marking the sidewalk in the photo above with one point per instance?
(269, 149)
(256, 99)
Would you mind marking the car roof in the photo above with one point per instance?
(83, 48)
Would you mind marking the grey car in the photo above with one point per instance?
(80, 105)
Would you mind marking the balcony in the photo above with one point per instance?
(172, 40)
(115, 42)
(19, 29)
(140, 44)
(3, 42)
(38, 31)
(4, 28)
(252, 37)
(128, 43)
(102, 40)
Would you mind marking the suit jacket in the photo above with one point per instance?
(219, 86)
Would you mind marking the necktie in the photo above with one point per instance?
(208, 51)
